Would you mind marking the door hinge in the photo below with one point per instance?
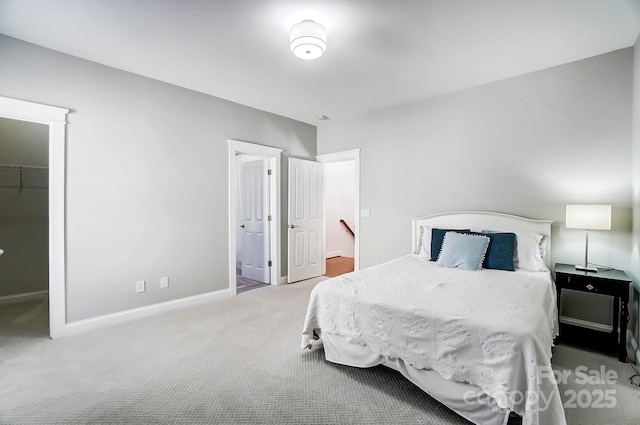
(269, 217)
(268, 172)
(269, 263)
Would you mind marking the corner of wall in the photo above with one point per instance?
(635, 199)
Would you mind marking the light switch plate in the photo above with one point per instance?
(140, 286)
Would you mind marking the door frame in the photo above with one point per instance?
(237, 147)
(56, 119)
(349, 155)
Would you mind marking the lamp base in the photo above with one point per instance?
(586, 268)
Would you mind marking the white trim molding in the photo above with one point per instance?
(107, 320)
(631, 340)
(56, 119)
(586, 324)
(29, 111)
(634, 345)
(237, 147)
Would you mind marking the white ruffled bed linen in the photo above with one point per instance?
(469, 401)
(490, 328)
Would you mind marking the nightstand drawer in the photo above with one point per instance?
(588, 284)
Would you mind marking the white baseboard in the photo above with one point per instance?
(107, 320)
(586, 324)
(634, 345)
(334, 254)
(283, 280)
(604, 328)
(27, 296)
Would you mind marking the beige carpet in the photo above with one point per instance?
(234, 361)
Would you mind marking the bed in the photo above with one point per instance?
(477, 341)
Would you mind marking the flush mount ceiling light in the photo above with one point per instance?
(308, 40)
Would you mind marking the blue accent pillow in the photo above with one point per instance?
(500, 252)
(463, 250)
(437, 235)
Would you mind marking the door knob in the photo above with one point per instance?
(292, 226)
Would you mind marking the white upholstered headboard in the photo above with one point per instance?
(483, 220)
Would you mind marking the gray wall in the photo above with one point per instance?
(635, 239)
(527, 145)
(146, 176)
(23, 213)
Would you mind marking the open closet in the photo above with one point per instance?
(24, 222)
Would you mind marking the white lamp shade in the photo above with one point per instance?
(308, 40)
(588, 217)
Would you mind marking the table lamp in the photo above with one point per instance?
(588, 217)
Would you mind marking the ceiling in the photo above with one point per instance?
(380, 53)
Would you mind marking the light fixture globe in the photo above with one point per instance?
(308, 40)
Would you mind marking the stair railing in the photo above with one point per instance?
(344, 223)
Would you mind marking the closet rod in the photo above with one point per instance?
(22, 168)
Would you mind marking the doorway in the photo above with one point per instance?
(55, 119)
(24, 256)
(339, 181)
(253, 253)
(254, 215)
(342, 211)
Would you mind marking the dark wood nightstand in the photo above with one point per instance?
(610, 282)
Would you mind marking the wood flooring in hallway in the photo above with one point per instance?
(339, 265)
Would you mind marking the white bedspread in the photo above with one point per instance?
(491, 328)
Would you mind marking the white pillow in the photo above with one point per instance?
(530, 251)
(424, 242)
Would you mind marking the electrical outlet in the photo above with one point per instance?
(140, 286)
(164, 282)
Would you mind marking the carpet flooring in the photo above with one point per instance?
(232, 361)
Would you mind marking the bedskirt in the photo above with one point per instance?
(469, 401)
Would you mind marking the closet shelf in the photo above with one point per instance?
(22, 168)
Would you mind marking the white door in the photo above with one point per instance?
(254, 224)
(305, 220)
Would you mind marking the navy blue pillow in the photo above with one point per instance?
(437, 235)
(500, 253)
